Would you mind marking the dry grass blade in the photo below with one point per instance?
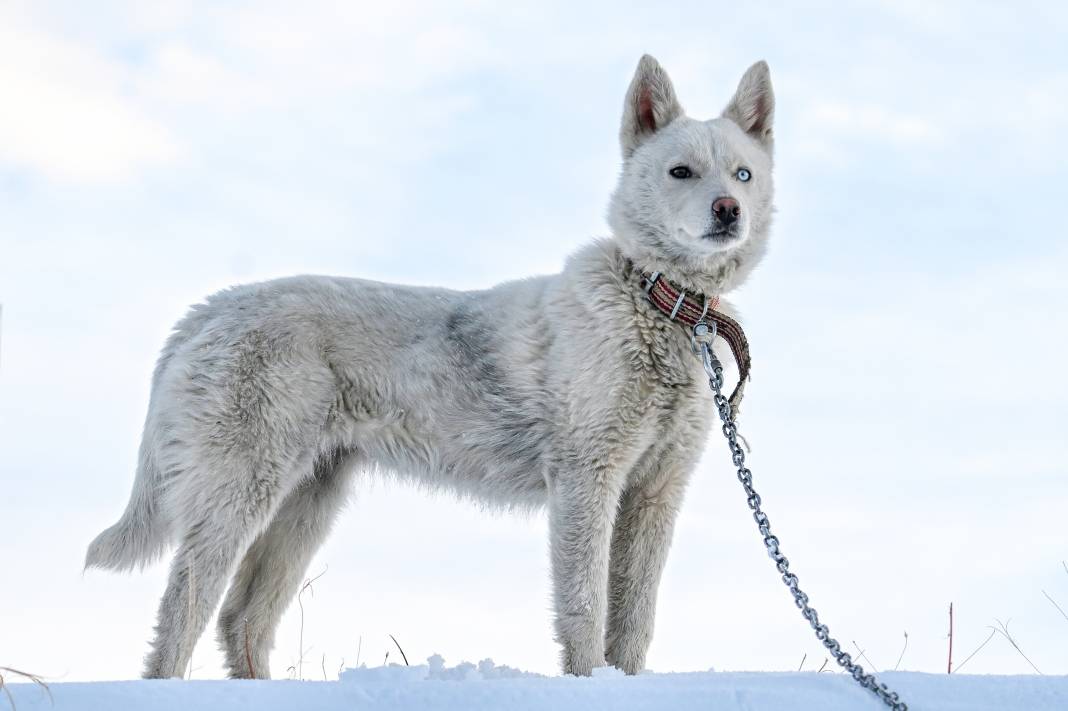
(191, 612)
(307, 586)
(39, 681)
(949, 664)
(902, 655)
(822, 666)
(1003, 629)
(802, 661)
(248, 653)
(976, 651)
(1054, 603)
(7, 692)
(403, 655)
(861, 655)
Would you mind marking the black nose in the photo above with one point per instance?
(726, 210)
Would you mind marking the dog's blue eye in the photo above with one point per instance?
(680, 172)
(743, 175)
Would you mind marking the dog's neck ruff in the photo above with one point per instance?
(689, 309)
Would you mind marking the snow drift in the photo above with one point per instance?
(485, 686)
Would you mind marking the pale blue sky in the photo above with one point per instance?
(908, 401)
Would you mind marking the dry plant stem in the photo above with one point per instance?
(189, 612)
(949, 664)
(7, 693)
(403, 655)
(1054, 603)
(862, 655)
(248, 653)
(300, 602)
(966, 659)
(822, 666)
(902, 655)
(1003, 628)
(802, 661)
(26, 675)
(359, 648)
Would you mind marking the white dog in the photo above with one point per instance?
(575, 390)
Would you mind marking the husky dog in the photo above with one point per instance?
(571, 391)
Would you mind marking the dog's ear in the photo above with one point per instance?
(753, 105)
(650, 105)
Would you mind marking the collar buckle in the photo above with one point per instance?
(648, 282)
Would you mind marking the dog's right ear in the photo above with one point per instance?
(650, 105)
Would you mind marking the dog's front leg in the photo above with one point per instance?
(582, 508)
(640, 541)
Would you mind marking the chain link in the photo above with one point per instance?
(701, 341)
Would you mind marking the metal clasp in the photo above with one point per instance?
(703, 334)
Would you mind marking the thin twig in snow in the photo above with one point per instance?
(822, 666)
(802, 661)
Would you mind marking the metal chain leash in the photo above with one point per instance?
(701, 342)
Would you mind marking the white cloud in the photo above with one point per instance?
(65, 113)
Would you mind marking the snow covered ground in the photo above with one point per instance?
(471, 687)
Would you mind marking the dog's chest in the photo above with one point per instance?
(671, 389)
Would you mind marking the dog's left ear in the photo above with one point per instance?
(650, 105)
(753, 105)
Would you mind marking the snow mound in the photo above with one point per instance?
(433, 670)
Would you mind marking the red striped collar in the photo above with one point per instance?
(688, 309)
(675, 302)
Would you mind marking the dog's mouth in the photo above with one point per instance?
(721, 236)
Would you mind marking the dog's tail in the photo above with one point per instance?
(139, 537)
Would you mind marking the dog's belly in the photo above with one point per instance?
(489, 460)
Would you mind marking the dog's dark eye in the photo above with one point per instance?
(743, 175)
(681, 172)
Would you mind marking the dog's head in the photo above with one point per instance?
(694, 200)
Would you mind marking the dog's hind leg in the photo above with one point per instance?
(221, 521)
(270, 574)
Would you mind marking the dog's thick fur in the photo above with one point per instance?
(568, 390)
